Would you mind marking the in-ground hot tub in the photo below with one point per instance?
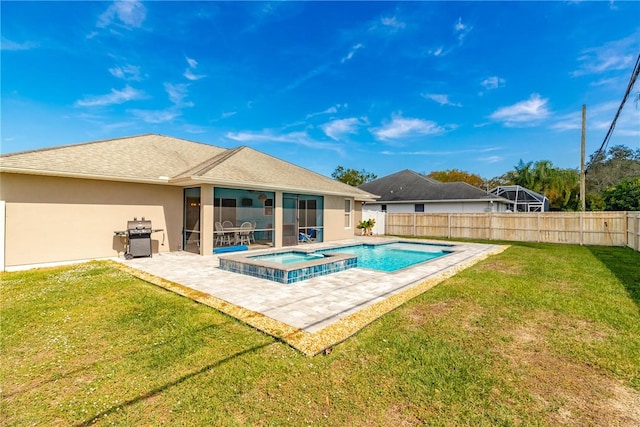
(295, 265)
(288, 267)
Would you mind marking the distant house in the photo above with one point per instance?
(65, 203)
(408, 191)
(523, 199)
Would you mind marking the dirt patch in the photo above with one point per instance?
(502, 266)
(418, 315)
(396, 415)
(569, 392)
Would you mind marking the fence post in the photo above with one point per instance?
(490, 225)
(581, 228)
(449, 226)
(637, 240)
(414, 225)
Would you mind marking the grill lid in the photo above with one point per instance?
(139, 224)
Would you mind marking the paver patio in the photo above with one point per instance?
(313, 314)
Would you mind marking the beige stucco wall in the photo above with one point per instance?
(334, 228)
(50, 219)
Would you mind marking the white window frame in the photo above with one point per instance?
(347, 213)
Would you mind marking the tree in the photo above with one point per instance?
(623, 197)
(352, 176)
(607, 169)
(560, 186)
(455, 175)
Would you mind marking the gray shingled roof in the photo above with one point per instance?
(163, 159)
(410, 186)
(137, 158)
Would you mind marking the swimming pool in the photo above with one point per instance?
(296, 265)
(392, 256)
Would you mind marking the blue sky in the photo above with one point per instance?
(379, 86)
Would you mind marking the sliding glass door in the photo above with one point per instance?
(232, 207)
(191, 220)
(289, 220)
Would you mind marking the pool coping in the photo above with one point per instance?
(286, 274)
(314, 339)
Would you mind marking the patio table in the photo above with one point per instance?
(236, 233)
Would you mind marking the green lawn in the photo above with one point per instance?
(538, 335)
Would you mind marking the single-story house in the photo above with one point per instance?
(67, 203)
(408, 191)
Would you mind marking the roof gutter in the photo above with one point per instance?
(57, 174)
(185, 181)
(364, 197)
(399, 202)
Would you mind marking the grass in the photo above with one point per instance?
(538, 335)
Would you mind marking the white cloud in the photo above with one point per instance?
(156, 116)
(192, 62)
(386, 26)
(177, 93)
(310, 75)
(493, 82)
(127, 72)
(6, 44)
(439, 51)
(114, 97)
(441, 99)
(189, 74)
(491, 159)
(569, 122)
(297, 138)
(599, 117)
(604, 82)
(612, 56)
(392, 22)
(461, 30)
(400, 128)
(523, 113)
(265, 136)
(442, 152)
(193, 129)
(331, 110)
(131, 13)
(336, 129)
(352, 52)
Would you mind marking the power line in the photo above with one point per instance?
(632, 81)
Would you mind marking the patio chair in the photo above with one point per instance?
(221, 237)
(307, 238)
(227, 224)
(246, 228)
(252, 236)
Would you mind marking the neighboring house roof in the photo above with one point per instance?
(410, 186)
(162, 159)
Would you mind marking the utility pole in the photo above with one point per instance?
(583, 184)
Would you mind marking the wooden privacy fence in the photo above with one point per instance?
(582, 228)
(633, 230)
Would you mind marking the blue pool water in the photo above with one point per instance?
(288, 257)
(294, 266)
(392, 256)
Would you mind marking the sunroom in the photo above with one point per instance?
(247, 218)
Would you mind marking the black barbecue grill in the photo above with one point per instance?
(138, 236)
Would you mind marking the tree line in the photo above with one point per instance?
(612, 180)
